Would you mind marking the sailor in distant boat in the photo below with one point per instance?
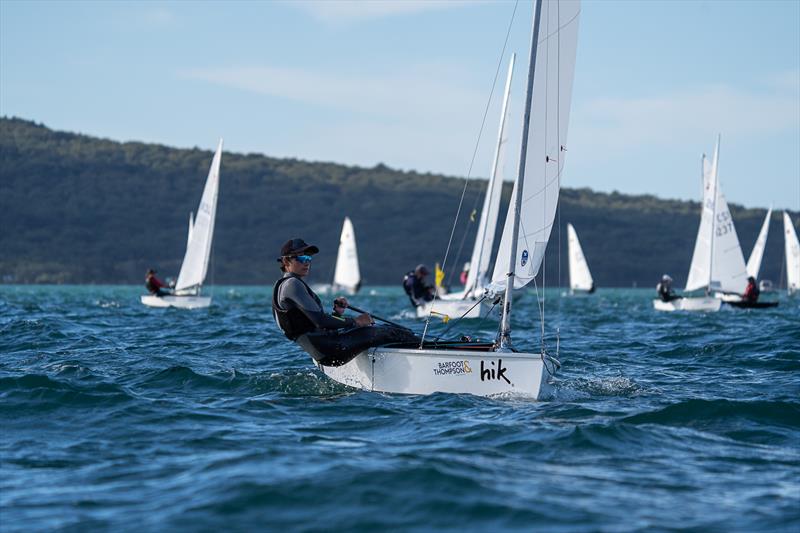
(154, 285)
(331, 339)
(751, 292)
(665, 290)
(416, 288)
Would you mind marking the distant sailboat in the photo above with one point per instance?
(580, 279)
(198, 249)
(347, 275)
(464, 303)
(717, 261)
(754, 262)
(792, 255)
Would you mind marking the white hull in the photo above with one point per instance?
(579, 292)
(181, 302)
(455, 308)
(704, 304)
(410, 371)
(727, 297)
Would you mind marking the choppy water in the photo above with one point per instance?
(116, 416)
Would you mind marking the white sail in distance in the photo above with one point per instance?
(754, 262)
(487, 226)
(543, 166)
(198, 250)
(347, 274)
(717, 262)
(792, 254)
(580, 279)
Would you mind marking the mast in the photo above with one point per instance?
(713, 217)
(505, 331)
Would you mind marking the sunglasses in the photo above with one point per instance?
(304, 259)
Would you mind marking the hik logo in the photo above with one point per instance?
(491, 373)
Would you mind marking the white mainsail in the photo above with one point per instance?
(754, 262)
(539, 176)
(580, 279)
(717, 262)
(484, 240)
(198, 250)
(347, 274)
(792, 254)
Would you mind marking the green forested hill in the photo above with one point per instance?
(78, 209)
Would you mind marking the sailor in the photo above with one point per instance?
(751, 292)
(665, 291)
(331, 338)
(416, 288)
(154, 285)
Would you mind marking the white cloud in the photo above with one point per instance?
(353, 11)
(159, 16)
(417, 93)
(615, 125)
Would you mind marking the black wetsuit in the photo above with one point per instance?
(331, 340)
(418, 293)
(666, 293)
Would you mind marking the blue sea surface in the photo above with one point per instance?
(114, 416)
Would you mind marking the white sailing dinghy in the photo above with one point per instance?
(198, 249)
(465, 303)
(580, 279)
(347, 275)
(792, 249)
(494, 368)
(717, 261)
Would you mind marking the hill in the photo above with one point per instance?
(78, 209)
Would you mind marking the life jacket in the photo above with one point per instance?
(292, 321)
(150, 286)
(408, 282)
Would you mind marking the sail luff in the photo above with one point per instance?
(715, 183)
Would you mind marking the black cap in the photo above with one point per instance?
(297, 247)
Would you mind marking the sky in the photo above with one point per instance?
(406, 84)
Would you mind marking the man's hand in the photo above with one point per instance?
(364, 320)
(340, 305)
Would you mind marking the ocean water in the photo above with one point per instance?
(118, 417)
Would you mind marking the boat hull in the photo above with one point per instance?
(180, 302)
(425, 371)
(455, 308)
(753, 305)
(704, 304)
